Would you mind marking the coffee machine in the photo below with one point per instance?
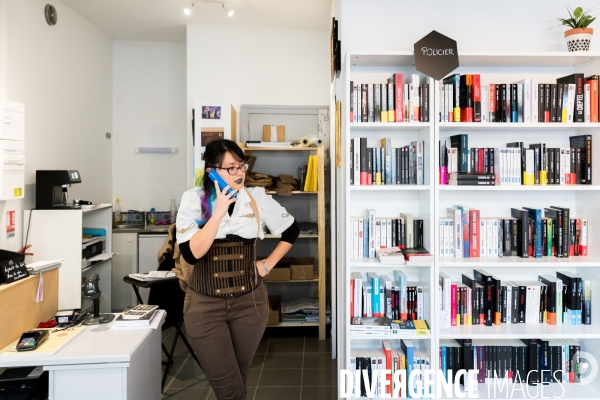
(51, 189)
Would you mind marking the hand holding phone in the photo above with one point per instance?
(215, 177)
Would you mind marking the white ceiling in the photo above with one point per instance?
(164, 20)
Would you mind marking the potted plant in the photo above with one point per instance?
(579, 36)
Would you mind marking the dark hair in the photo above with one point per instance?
(213, 157)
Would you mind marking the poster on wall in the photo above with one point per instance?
(214, 123)
(10, 224)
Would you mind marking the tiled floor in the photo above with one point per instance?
(290, 364)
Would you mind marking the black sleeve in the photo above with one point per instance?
(291, 234)
(187, 254)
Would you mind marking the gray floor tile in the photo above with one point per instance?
(257, 361)
(263, 345)
(283, 360)
(319, 393)
(319, 361)
(280, 377)
(186, 378)
(277, 393)
(318, 346)
(195, 393)
(253, 376)
(286, 346)
(319, 377)
(249, 394)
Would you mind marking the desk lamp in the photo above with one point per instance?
(91, 291)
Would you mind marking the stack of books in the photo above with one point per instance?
(141, 316)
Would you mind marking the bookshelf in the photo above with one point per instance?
(386, 200)
(319, 237)
(431, 200)
(496, 201)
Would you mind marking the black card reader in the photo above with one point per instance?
(32, 340)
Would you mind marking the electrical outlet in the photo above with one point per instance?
(108, 135)
(314, 290)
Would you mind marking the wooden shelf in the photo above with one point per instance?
(301, 236)
(273, 193)
(287, 148)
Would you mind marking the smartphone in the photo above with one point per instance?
(214, 176)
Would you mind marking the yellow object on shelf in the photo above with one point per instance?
(310, 185)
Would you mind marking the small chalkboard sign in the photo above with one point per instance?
(436, 55)
(12, 266)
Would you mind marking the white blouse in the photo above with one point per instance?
(241, 222)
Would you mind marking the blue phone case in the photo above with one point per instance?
(214, 176)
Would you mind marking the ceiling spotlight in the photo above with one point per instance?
(187, 11)
(229, 12)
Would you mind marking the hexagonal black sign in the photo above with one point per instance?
(436, 55)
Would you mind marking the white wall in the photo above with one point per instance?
(507, 25)
(63, 75)
(251, 65)
(149, 104)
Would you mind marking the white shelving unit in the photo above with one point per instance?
(431, 200)
(386, 200)
(57, 234)
(496, 201)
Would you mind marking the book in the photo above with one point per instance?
(418, 253)
(578, 109)
(408, 327)
(392, 255)
(138, 312)
(143, 321)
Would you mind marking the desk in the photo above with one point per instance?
(101, 364)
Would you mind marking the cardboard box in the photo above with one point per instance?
(19, 311)
(274, 310)
(302, 268)
(271, 132)
(281, 271)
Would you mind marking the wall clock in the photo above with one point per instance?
(50, 14)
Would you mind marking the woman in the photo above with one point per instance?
(225, 307)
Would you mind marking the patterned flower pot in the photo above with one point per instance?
(578, 39)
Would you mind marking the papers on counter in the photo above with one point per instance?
(153, 275)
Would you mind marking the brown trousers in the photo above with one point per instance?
(225, 333)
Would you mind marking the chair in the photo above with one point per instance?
(167, 294)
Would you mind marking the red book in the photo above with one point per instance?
(474, 236)
(476, 98)
(453, 304)
(399, 84)
(387, 350)
(481, 163)
(492, 103)
(351, 298)
(593, 99)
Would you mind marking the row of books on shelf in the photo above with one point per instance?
(533, 361)
(372, 233)
(516, 164)
(573, 98)
(376, 296)
(484, 299)
(394, 101)
(384, 326)
(527, 233)
(386, 165)
(368, 366)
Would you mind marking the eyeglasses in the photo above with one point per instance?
(235, 170)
